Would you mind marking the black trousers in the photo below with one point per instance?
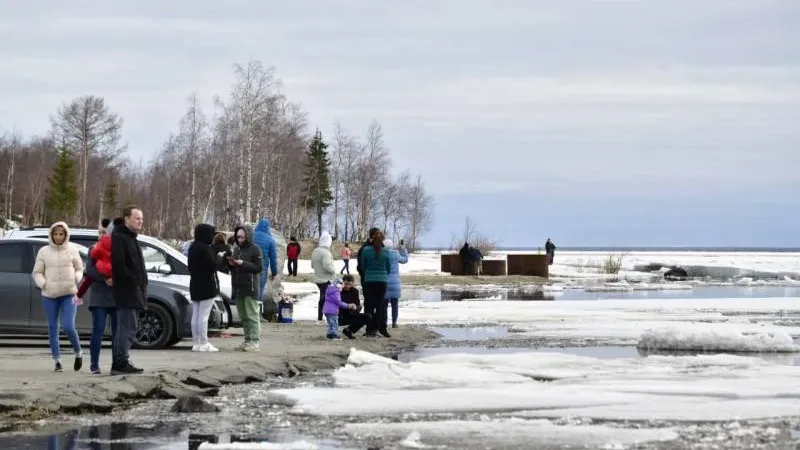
(375, 305)
(292, 266)
(354, 321)
(322, 287)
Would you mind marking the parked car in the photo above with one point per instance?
(165, 322)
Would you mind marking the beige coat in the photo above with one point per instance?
(58, 268)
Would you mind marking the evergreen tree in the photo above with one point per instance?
(317, 175)
(62, 193)
(110, 194)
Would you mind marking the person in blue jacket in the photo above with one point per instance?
(396, 257)
(264, 240)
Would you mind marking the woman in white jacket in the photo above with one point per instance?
(57, 272)
(324, 268)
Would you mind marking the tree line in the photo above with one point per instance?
(253, 155)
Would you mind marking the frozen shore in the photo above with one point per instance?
(31, 390)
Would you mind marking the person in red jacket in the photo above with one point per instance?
(101, 253)
(292, 255)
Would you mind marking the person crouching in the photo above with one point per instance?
(353, 319)
(333, 303)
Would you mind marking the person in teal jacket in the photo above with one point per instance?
(376, 264)
(396, 257)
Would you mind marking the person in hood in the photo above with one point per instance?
(101, 299)
(393, 286)
(262, 238)
(129, 286)
(203, 285)
(57, 271)
(466, 259)
(293, 250)
(333, 303)
(245, 265)
(324, 268)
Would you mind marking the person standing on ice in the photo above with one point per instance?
(293, 250)
(262, 238)
(393, 286)
(324, 269)
(550, 251)
(57, 271)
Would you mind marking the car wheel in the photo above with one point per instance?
(156, 328)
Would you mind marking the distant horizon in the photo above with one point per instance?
(729, 249)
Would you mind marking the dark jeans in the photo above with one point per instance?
(375, 305)
(322, 287)
(394, 304)
(127, 323)
(291, 264)
(99, 316)
(354, 321)
(346, 266)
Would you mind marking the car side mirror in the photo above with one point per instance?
(164, 269)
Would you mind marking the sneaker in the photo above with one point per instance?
(394, 325)
(196, 347)
(348, 333)
(333, 337)
(252, 347)
(207, 348)
(58, 367)
(384, 333)
(78, 362)
(127, 369)
(95, 370)
(241, 347)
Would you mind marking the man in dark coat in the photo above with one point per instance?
(550, 251)
(129, 285)
(465, 255)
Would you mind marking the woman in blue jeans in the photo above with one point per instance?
(101, 304)
(57, 272)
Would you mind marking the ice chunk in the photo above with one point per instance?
(297, 445)
(715, 339)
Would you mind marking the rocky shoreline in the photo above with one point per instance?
(31, 391)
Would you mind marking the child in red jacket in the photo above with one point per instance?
(101, 254)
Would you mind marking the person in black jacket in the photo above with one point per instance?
(203, 285)
(366, 243)
(245, 265)
(129, 286)
(353, 319)
(550, 251)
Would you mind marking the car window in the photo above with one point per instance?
(12, 257)
(153, 257)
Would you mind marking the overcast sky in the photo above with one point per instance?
(656, 122)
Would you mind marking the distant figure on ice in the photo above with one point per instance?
(476, 257)
(293, 250)
(465, 257)
(550, 251)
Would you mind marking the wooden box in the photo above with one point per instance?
(528, 265)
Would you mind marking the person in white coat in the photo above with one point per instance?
(57, 272)
(324, 268)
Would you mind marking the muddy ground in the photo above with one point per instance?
(30, 389)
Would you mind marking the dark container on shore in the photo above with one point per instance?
(528, 265)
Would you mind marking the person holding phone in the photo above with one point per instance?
(245, 264)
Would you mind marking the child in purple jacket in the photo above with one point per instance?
(333, 303)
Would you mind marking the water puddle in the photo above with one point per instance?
(536, 294)
(788, 359)
(125, 436)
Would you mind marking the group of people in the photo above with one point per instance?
(339, 303)
(251, 260)
(115, 279)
